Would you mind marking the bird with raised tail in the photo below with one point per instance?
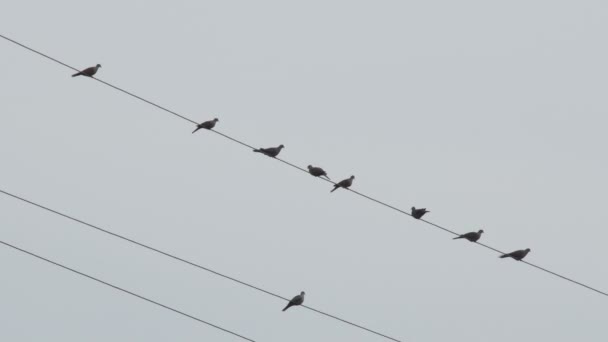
(88, 71)
(295, 301)
(317, 171)
(472, 236)
(418, 213)
(270, 151)
(206, 125)
(345, 183)
(517, 255)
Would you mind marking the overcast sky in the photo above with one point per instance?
(490, 114)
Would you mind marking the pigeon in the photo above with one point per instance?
(517, 255)
(297, 300)
(317, 171)
(88, 71)
(345, 183)
(418, 213)
(472, 236)
(206, 125)
(271, 151)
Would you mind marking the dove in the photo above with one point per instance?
(472, 236)
(297, 300)
(271, 151)
(418, 213)
(206, 125)
(517, 255)
(317, 171)
(88, 71)
(345, 183)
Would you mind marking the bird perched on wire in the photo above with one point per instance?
(418, 213)
(345, 183)
(472, 236)
(271, 151)
(88, 71)
(317, 171)
(206, 125)
(297, 300)
(517, 255)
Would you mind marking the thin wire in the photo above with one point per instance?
(302, 169)
(97, 79)
(185, 261)
(125, 291)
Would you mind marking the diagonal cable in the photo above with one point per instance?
(125, 291)
(299, 168)
(173, 256)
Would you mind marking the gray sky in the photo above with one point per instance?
(492, 115)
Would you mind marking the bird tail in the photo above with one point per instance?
(287, 307)
(504, 256)
(458, 237)
(76, 74)
(327, 177)
(197, 128)
(334, 189)
(256, 150)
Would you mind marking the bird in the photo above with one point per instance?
(517, 255)
(418, 213)
(345, 183)
(271, 151)
(317, 171)
(206, 125)
(472, 236)
(88, 71)
(297, 300)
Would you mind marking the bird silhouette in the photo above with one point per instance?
(472, 236)
(206, 125)
(88, 71)
(517, 255)
(418, 213)
(317, 171)
(297, 300)
(271, 151)
(345, 183)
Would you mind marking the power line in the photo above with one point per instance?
(40, 206)
(302, 169)
(125, 291)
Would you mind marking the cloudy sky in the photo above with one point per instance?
(492, 115)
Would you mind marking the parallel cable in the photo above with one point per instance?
(300, 168)
(172, 256)
(126, 291)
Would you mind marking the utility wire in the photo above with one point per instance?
(304, 170)
(125, 291)
(40, 206)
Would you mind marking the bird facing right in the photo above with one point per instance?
(297, 300)
(517, 255)
(472, 236)
(345, 183)
(270, 151)
(88, 71)
(206, 125)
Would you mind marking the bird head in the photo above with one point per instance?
(413, 208)
(352, 177)
(528, 250)
(302, 293)
(98, 66)
(480, 231)
(216, 120)
(309, 167)
(281, 146)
